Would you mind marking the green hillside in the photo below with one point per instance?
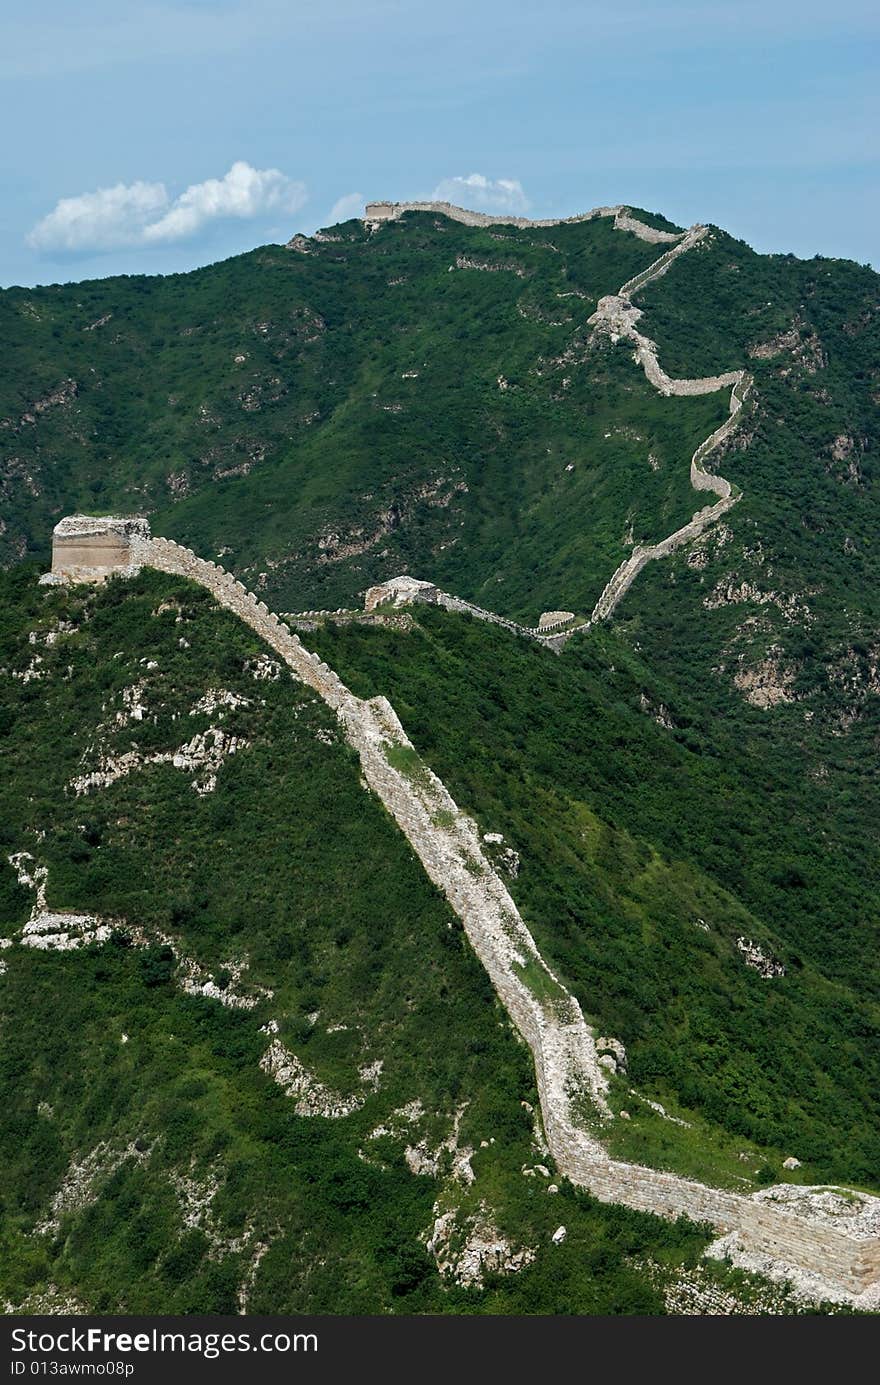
(686, 795)
(425, 398)
(327, 418)
(652, 834)
(147, 1163)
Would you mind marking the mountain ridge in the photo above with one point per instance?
(680, 805)
(794, 1231)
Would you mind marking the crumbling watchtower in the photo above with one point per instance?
(89, 548)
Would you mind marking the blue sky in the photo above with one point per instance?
(164, 134)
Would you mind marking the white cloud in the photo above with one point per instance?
(244, 192)
(100, 220)
(352, 204)
(480, 193)
(144, 214)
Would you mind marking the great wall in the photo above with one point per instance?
(826, 1239)
(377, 213)
(615, 317)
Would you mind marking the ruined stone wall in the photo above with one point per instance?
(397, 591)
(705, 480)
(624, 222)
(617, 316)
(665, 262)
(626, 574)
(400, 591)
(92, 552)
(646, 357)
(457, 603)
(391, 211)
(377, 212)
(540, 632)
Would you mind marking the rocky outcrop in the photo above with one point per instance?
(767, 683)
(468, 1248)
(83, 1181)
(489, 266)
(203, 754)
(755, 957)
(60, 397)
(311, 1097)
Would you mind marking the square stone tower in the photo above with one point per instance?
(88, 548)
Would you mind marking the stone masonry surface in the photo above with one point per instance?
(831, 1233)
(95, 545)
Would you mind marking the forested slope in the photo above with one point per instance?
(194, 882)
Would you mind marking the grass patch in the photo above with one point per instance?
(408, 762)
(542, 985)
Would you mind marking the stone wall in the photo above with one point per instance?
(624, 222)
(457, 603)
(375, 213)
(621, 580)
(404, 591)
(845, 1250)
(391, 211)
(617, 316)
(659, 267)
